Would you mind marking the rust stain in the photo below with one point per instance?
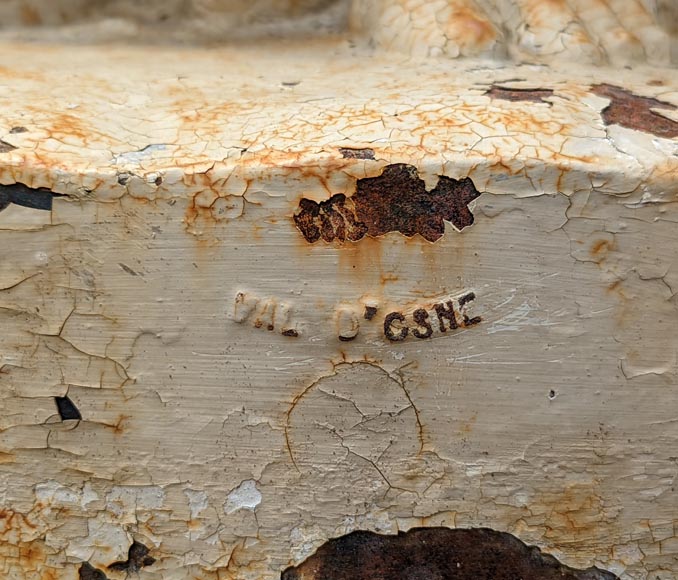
(634, 112)
(6, 458)
(462, 554)
(573, 514)
(600, 246)
(471, 30)
(395, 201)
(350, 153)
(512, 94)
(30, 16)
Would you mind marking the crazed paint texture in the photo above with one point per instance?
(395, 201)
(190, 390)
(438, 553)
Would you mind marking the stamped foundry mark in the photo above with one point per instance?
(420, 321)
(268, 313)
(395, 201)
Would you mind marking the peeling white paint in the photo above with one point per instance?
(146, 295)
(245, 496)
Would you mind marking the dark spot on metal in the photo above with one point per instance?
(20, 194)
(137, 558)
(270, 327)
(290, 83)
(350, 153)
(158, 180)
(347, 338)
(435, 554)
(123, 178)
(370, 312)
(634, 112)
(396, 201)
(89, 572)
(6, 147)
(127, 269)
(290, 332)
(67, 409)
(512, 94)
(15, 130)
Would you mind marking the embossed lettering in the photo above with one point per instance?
(465, 299)
(446, 314)
(388, 327)
(421, 318)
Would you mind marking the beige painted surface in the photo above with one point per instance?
(230, 450)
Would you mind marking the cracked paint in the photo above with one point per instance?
(149, 410)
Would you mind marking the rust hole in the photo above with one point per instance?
(634, 112)
(350, 153)
(511, 94)
(21, 194)
(137, 558)
(395, 201)
(67, 409)
(6, 147)
(89, 572)
(435, 554)
(18, 129)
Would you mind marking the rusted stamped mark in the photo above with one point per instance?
(440, 553)
(395, 201)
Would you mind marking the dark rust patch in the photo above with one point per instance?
(396, 201)
(89, 572)
(20, 194)
(511, 94)
(634, 112)
(137, 558)
(290, 332)
(435, 554)
(370, 312)
(350, 153)
(6, 147)
(18, 129)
